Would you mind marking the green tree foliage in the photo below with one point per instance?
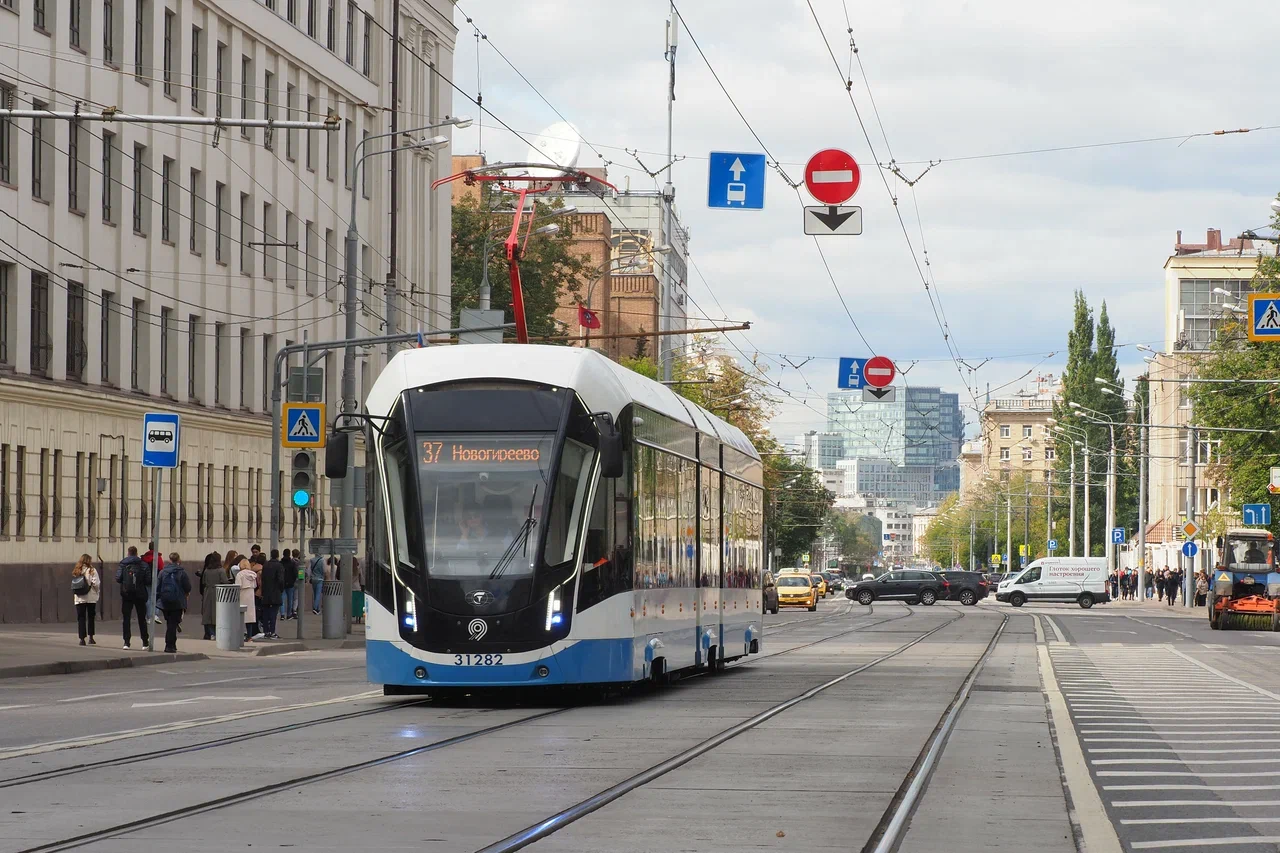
(986, 512)
(856, 540)
(551, 273)
(1246, 458)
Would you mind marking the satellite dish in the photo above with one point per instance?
(558, 145)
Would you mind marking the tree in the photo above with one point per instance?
(856, 541)
(551, 273)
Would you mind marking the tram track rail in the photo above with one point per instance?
(228, 801)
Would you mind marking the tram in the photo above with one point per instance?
(540, 515)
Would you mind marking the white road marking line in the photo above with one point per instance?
(1206, 842)
(108, 695)
(14, 707)
(194, 699)
(1184, 761)
(1179, 775)
(98, 740)
(1151, 821)
(1255, 688)
(1132, 735)
(1057, 632)
(1226, 804)
(1035, 621)
(1171, 750)
(283, 674)
(1182, 787)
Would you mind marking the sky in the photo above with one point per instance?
(1009, 238)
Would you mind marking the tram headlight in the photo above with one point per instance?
(554, 615)
(410, 614)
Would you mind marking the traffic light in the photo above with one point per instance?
(302, 484)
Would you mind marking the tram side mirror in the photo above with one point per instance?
(336, 453)
(1217, 543)
(611, 449)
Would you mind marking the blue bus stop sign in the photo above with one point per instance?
(160, 438)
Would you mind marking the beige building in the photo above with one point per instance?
(973, 467)
(1014, 431)
(1195, 274)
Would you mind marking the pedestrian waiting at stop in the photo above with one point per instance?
(172, 589)
(289, 590)
(271, 584)
(259, 564)
(1150, 584)
(85, 586)
(231, 565)
(1202, 588)
(134, 579)
(316, 573)
(211, 576)
(247, 580)
(159, 559)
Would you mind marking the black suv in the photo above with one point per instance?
(910, 585)
(968, 588)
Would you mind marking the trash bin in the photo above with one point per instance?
(334, 621)
(230, 624)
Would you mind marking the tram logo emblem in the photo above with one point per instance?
(477, 628)
(480, 597)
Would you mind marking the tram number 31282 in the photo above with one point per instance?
(477, 660)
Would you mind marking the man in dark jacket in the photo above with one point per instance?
(272, 584)
(172, 590)
(134, 579)
(147, 558)
(289, 591)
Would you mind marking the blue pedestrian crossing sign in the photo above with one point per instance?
(160, 437)
(1264, 316)
(303, 425)
(1117, 536)
(1190, 548)
(1256, 513)
(735, 181)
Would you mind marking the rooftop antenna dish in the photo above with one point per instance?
(557, 145)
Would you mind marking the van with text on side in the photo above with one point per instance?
(1079, 579)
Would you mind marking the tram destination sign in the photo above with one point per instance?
(513, 451)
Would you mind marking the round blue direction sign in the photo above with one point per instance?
(1190, 549)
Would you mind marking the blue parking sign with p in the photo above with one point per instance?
(160, 437)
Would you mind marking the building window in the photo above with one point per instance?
(1004, 430)
(290, 249)
(73, 165)
(109, 160)
(311, 134)
(291, 114)
(197, 92)
(267, 356)
(1050, 454)
(219, 235)
(41, 22)
(349, 140)
(7, 330)
(351, 32)
(39, 126)
(166, 339)
(268, 107)
(167, 53)
(246, 221)
(311, 18)
(364, 176)
(196, 217)
(137, 328)
(291, 11)
(108, 32)
(310, 258)
(220, 80)
(1004, 454)
(331, 20)
(6, 135)
(246, 99)
(77, 350)
(246, 371)
(330, 154)
(1026, 431)
(107, 322)
(141, 54)
(330, 263)
(367, 62)
(195, 363)
(166, 199)
(73, 22)
(219, 371)
(41, 342)
(268, 240)
(139, 188)
(1026, 454)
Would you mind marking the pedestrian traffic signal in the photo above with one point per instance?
(303, 480)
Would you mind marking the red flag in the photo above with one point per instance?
(587, 318)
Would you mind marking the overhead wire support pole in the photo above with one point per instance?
(665, 354)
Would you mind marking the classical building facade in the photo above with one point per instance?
(149, 267)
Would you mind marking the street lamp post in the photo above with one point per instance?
(1101, 418)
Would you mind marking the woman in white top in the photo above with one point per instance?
(87, 598)
(247, 579)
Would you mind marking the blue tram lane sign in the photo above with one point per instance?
(161, 433)
(851, 374)
(735, 181)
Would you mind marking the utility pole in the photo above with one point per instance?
(1026, 517)
(1008, 532)
(1088, 542)
(1187, 581)
(1048, 508)
(1142, 503)
(1111, 502)
(973, 532)
(390, 292)
(1071, 520)
(668, 197)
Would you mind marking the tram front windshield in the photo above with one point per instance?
(484, 500)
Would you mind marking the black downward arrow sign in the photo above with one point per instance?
(878, 393)
(833, 218)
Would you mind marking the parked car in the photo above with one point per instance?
(909, 585)
(770, 589)
(968, 588)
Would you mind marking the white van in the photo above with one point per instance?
(1079, 579)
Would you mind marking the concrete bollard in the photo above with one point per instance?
(334, 622)
(230, 624)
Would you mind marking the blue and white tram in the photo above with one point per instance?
(540, 515)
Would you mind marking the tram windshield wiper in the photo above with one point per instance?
(519, 542)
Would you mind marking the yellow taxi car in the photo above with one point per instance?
(797, 590)
(820, 584)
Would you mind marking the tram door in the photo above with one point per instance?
(710, 580)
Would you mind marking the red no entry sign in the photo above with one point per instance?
(832, 176)
(878, 372)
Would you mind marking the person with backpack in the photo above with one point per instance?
(134, 578)
(172, 590)
(210, 577)
(271, 587)
(147, 558)
(85, 585)
(316, 572)
(289, 588)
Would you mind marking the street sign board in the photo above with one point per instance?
(851, 372)
(1117, 535)
(832, 219)
(1256, 513)
(832, 176)
(1264, 316)
(995, 559)
(160, 439)
(302, 425)
(348, 545)
(879, 395)
(1274, 486)
(878, 372)
(1053, 544)
(1190, 549)
(735, 181)
(1191, 529)
(1022, 550)
(306, 384)
(806, 559)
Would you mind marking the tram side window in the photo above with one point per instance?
(567, 502)
(406, 536)
(378, 578)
